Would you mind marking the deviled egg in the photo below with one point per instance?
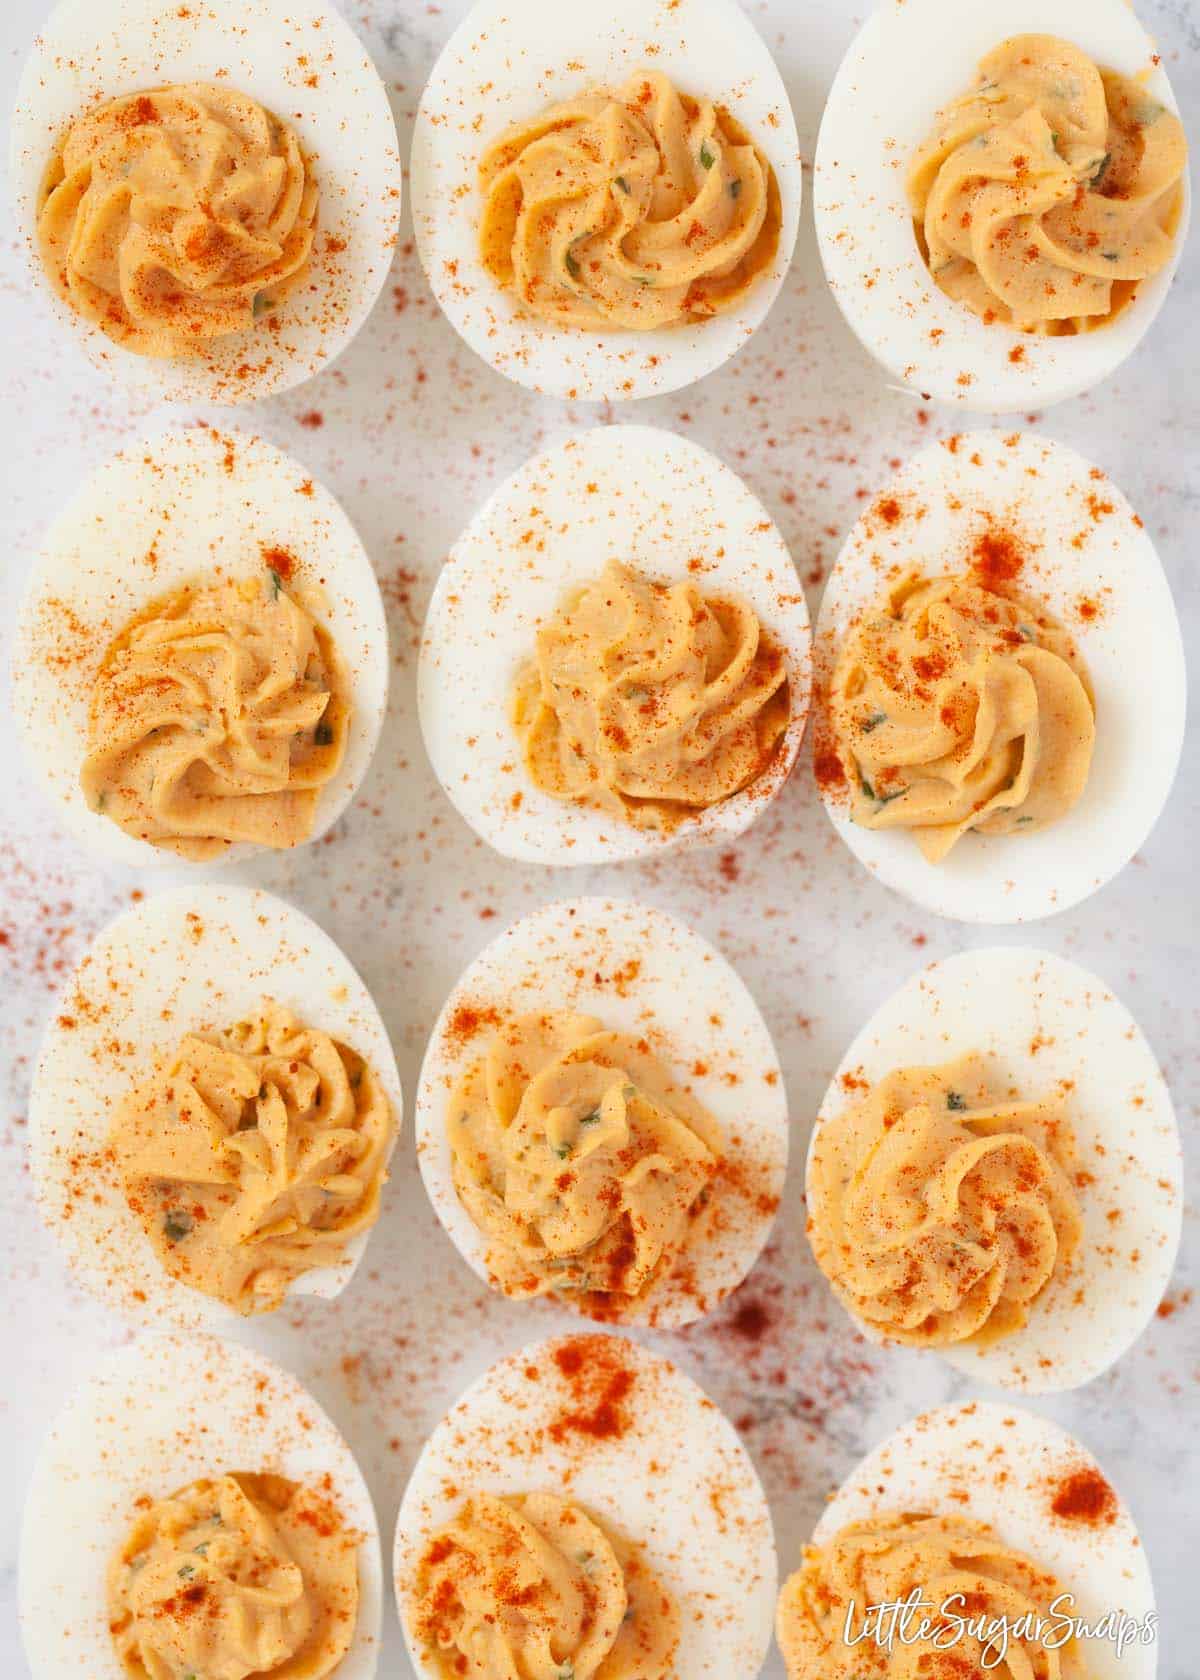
(200, 667)
(1001, 197)
(586, 1508)
(1002, 1534)
(996, 1171)
(210, 194)
(213, 1110)
(606, 208)
(616, 657)
(988, 742)
(601, 1115)
(194, 1510)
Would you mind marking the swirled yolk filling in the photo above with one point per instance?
(254, 1155)
(173, 218)
(1050, 191)
(238, 1577)
(637, 208)
(940, 1211)
(535, 1586)
(960, 708)
(217, 716)
(953, 1562)
(650, 701)
(580, 1157)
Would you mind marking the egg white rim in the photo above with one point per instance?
(642, 1482)
(942, 1463)
(317, 76)
(536, 964)
(510, 59)
(199, 935)
(150, 519)
(881, 106)
(1045, 1020)
(1041, 489)
(552, 526)
(117, 1438)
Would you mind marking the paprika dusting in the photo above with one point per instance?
(581, 1158)
(1084, 1495)
(135, 238)
(238, 1570)
(957, 705)
(599, 1383)
(512, 1578)
(629, 678)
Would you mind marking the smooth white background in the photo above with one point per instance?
(414, 434)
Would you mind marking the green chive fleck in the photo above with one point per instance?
(1101, 169)
(873, 722)
(1111, 256)
(276, 583)
(592, 1119)
(880, 798)
(1027, 632)
(260, 305)
(1021, 820)
(323, 735)
(177, 1225)
(735, 187)
(572, 265)
(186, 1571)
(956, 1102)
(562, 1150)
(707, 157)
(622, 183)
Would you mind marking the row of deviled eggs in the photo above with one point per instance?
(633, 737)
(508, 65)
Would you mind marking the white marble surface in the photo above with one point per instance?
(412, 432)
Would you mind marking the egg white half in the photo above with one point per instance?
(307, 66)
(153, 1417)
(202, 956)
(639, 971)
(1088, 553)
(1047, 1027)
(1002, 1465)
(677, 1482)
(910, 58)
(160, 514)
(645, 497)
(508, 61)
